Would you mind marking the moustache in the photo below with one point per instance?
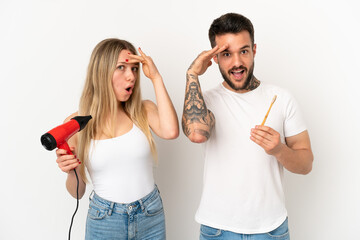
(233, 69)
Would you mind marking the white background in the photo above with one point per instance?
(308, 47)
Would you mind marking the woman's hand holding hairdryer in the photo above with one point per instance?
(66, 161)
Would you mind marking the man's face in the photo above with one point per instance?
(236, 63)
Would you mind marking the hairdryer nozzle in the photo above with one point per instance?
(48, 141)
(82, 120)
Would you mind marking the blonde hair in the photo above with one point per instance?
(98, 99)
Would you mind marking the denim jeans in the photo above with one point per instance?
(142, 219)
(209, 233)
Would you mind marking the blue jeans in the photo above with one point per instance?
(142, 219)
(209, 233)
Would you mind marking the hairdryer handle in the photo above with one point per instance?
(66, 147)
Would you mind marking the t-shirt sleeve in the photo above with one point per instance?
(294, 122)
(207, 99)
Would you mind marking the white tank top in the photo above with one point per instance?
(121, 168)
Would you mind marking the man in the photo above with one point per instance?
(242, 191)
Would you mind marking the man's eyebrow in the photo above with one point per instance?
(243, 47)
(246, 46)
(225, 50)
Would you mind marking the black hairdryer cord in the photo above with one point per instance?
(77, 202)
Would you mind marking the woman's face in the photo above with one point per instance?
(124, 77)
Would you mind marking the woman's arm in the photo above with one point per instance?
(161, 116)
(68, 162)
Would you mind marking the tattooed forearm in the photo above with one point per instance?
(191, 65)
(202, 132)
(195, 110)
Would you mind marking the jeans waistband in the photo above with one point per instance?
(124, 207)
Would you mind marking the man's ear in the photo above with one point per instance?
(216, 59)
(254, 50)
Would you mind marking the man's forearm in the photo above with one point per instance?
(295, 160)
(197, 120)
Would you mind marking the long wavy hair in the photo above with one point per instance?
(98, 99)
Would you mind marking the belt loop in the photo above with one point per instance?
(157, 189)
(141, 205)
(111, 208)
(91, 195)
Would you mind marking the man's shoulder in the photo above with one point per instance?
(212, 92)
(215, 88)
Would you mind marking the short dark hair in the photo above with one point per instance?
(230, 23)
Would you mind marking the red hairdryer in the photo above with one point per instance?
(58, 136)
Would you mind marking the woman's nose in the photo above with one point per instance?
(130, 75)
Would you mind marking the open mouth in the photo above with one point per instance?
(238, 74)
(129, 90)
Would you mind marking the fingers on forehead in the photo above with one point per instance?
(135, 59)
(141, 52)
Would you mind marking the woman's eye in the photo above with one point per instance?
(135, 69)
(121, 67)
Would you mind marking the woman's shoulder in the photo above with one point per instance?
(149, 105)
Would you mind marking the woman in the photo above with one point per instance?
(117, 147)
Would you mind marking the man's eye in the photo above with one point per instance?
(226, 54)
(244, 51)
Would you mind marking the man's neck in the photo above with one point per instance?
(253, 84)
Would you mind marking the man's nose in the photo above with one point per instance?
(237, 60)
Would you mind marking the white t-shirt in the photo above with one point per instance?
(121, 168)
(243, 185)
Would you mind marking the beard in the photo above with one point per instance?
(248, 79)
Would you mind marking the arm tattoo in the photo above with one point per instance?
(203, 132)
(191, 65)
(195, 110)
